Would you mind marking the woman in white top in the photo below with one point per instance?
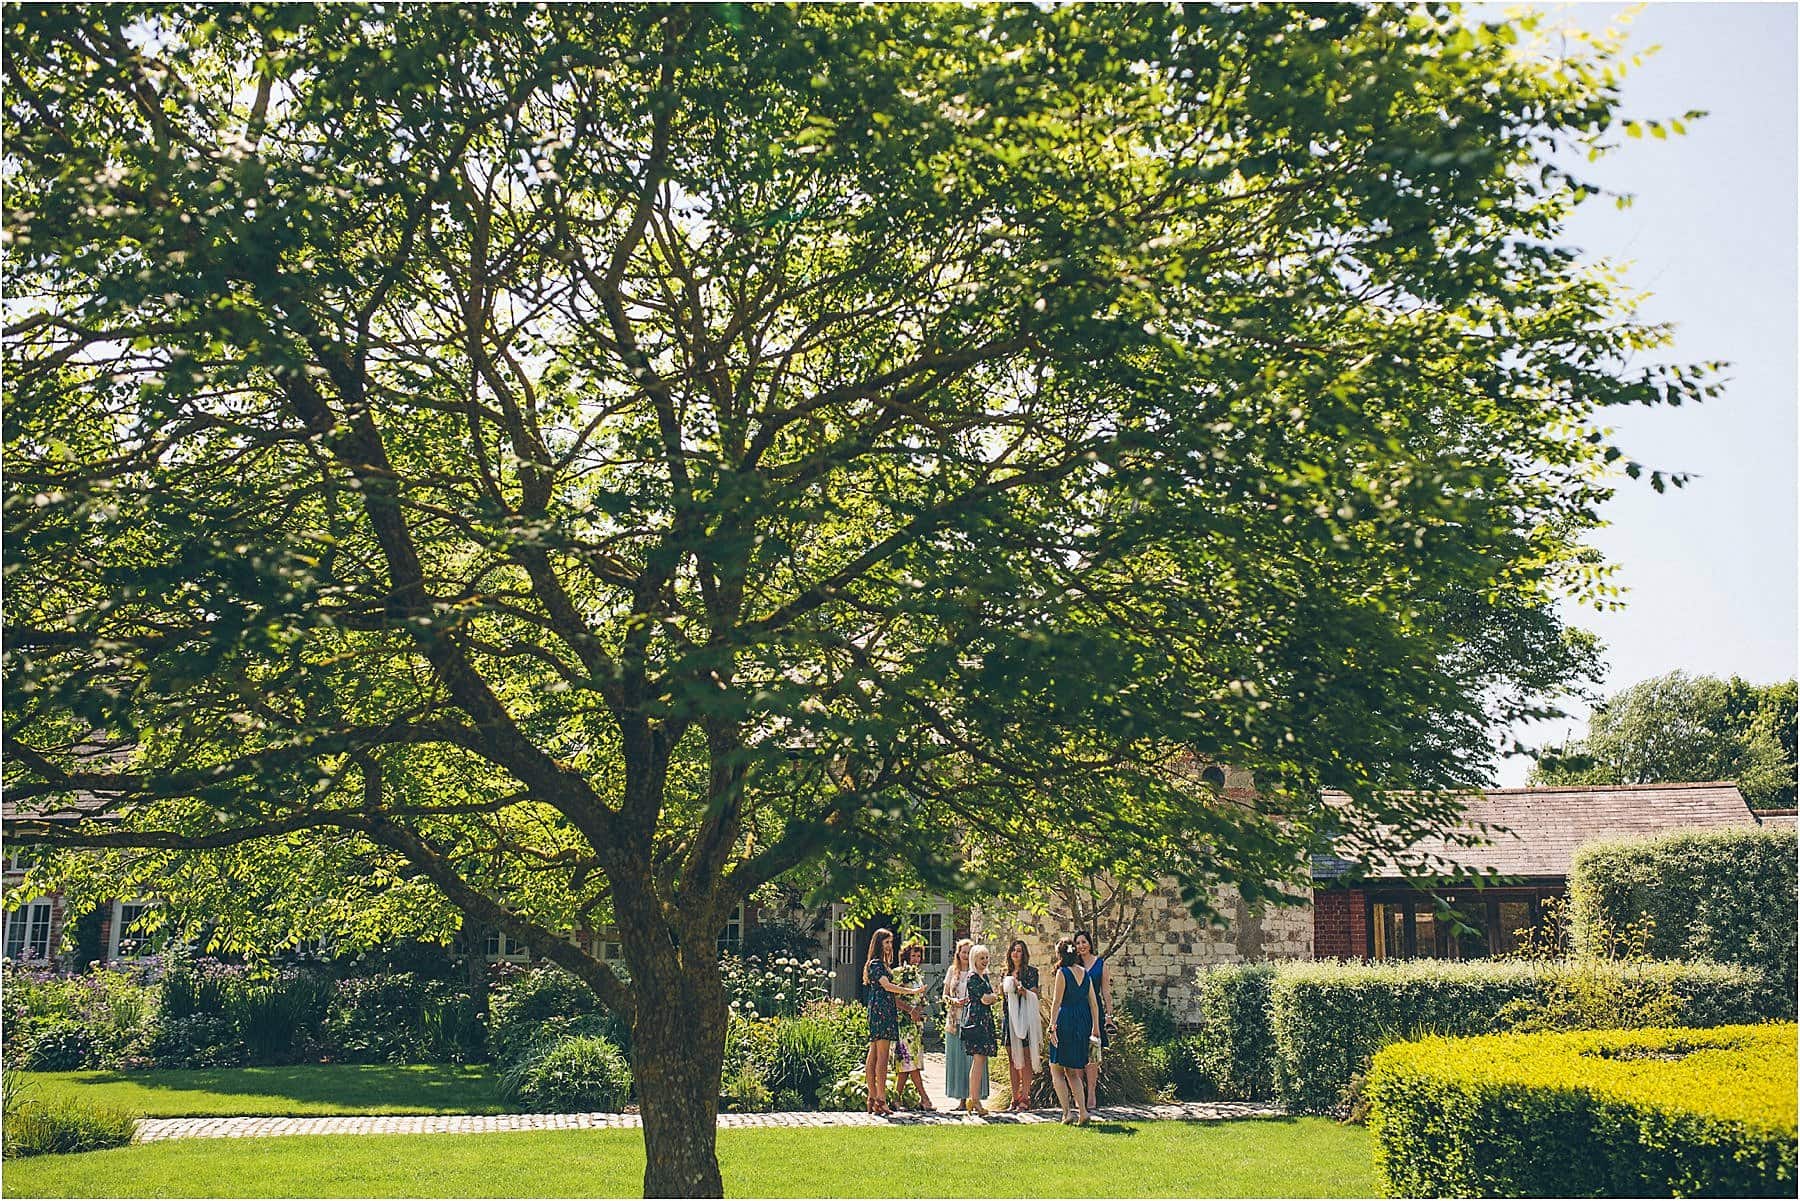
(1024, 1024)
(956, 1058)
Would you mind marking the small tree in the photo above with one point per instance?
(579, 465)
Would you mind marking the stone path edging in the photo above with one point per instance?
(153, 1130)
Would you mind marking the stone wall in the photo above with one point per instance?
(1164, 944)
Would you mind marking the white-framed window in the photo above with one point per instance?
(127, 939)
(28, 932)
(502, 946)
(731, 938)
(844, 945)
(929, 928)
(19, 858)
(606, 939)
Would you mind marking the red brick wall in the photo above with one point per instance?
(1340, 924)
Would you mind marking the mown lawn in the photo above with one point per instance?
(316, 1088)
(1299, 1157)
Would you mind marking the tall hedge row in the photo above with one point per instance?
(1235, 1048)
(1324, 1021)
(1645, 1113)
(1726, 895)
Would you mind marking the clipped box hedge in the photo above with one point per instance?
(1327, 1019)
(1641, 1113)
(1235, 1047)
(1724, 895)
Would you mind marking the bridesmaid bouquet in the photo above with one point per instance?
(908, 975)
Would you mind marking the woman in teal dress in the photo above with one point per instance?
(1075, 1030)
(956, 1059)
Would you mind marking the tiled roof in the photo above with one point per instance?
(69, 809)
(1533, 832)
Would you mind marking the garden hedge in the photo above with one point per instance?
(1328, 1018)
(1641, 1113)
(1724, 895)
(1235, 1047)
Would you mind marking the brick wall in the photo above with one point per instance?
(1340, 924)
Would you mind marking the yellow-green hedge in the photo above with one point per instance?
(1606, 1113)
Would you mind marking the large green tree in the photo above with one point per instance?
(1685, 727)
(566, 464)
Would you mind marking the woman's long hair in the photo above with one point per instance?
(1067, 955)
(1018, 969)
(881, 947)
(1081, 934)
(959, 959)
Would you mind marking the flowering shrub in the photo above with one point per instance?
(185, 1012)
(54, 1020)
(775, 986)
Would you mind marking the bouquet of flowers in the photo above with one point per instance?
(908, 975)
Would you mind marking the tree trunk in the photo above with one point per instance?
(678, 1048)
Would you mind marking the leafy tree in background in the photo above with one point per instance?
(584, 465)
(1680, 727)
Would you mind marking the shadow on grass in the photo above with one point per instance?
(438, 1085)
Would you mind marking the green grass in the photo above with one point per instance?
(1297, 1157)
(315, 1088)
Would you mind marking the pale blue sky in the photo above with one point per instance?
(1711, 569)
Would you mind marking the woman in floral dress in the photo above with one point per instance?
(884, 1017)
(909, 1049)
(978, 1028)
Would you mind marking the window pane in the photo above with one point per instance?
(1390, 930)
(131, 938)
(1515, 920)
(1425, 933)
(28, 932)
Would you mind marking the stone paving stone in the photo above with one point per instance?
(151, 1130)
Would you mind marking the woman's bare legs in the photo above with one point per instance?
(1059, 1080)
(879, 1100)
(977, 1069)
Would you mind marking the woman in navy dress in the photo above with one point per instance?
(978, 1038)
(1100, 980)
(1075, 1030)
(884, 1016)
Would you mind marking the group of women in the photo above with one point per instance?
(1080, 999)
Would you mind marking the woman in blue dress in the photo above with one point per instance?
(1100, 980)
(1075, 1031)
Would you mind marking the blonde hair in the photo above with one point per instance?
(979, 949)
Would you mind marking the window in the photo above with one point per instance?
(731, 938)
(128, 939)
(19, 859)
(502, 946)
(928, 928)
(845, 945)
(606, 938)
(28, 932)
(1452, 924)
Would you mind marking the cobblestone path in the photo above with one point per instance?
(152, 1130)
